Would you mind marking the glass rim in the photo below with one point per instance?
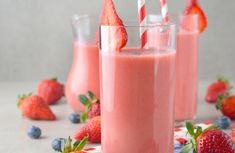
(77, 17)
(150, 25)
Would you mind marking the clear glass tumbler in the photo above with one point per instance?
(186, 68)
(187, 44)
(84, 72)
(138, 90)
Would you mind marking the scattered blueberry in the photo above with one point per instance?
(34, 132)
(223, 122)
(74, 118)
(56, 144)
(177, 148)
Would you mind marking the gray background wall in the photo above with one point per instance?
(36, 37)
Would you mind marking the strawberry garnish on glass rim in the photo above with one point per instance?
(212, 139)
(92, 106)
(193, 7)
(110, 18)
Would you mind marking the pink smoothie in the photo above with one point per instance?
(186, 75)
(137, 101)
(84, 74)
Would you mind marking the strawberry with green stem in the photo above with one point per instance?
(226, 104)
(221, 86)
(68, 147)
(210, 140)
(35, 108)
(92, 106)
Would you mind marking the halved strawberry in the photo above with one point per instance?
(221, 86)
(210, 140)
(92, 130)
(110, 18)
(193, 7)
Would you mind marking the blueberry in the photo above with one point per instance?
(74, 118)
(177, 148)
(56, 144)
(223, 122)
(34, 132)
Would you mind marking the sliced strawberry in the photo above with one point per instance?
(193, 7)
(92, 130)
(111, 18)
(221, 86)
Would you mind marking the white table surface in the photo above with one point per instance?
(13, 136)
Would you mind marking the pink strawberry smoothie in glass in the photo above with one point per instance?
(186, 68)
(84, 73)
(137, 93)
(186, 63)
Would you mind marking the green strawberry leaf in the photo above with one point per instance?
(224, 79)
(187, 147)
(90, 95)
(216, 127)
(190, 128)
(54, 79)
(198, 132)
(84, 117)
(75, 144)
(66, 146)
(82, 144)
(220, 100)
(83, 99)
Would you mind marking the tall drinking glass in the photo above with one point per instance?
(137, 91)
(84, 73)
(186, 65)
(186, 68)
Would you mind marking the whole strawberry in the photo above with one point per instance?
(221, 86)
(51, 91)
(226, 104)
(92, 105)
(211, 140)
(35, 108)
(92, 129)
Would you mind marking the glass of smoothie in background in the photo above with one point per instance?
(186, 68)
(137, 92)
(186, 63)
(84, 73)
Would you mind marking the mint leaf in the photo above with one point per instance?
(190, 128)
(83, 99)
(90, 94)
(82, 144)
(84, 117)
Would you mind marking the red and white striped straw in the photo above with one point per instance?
(164, 10)
(142, 22)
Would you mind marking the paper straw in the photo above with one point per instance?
(164, 10)
(142, 22)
